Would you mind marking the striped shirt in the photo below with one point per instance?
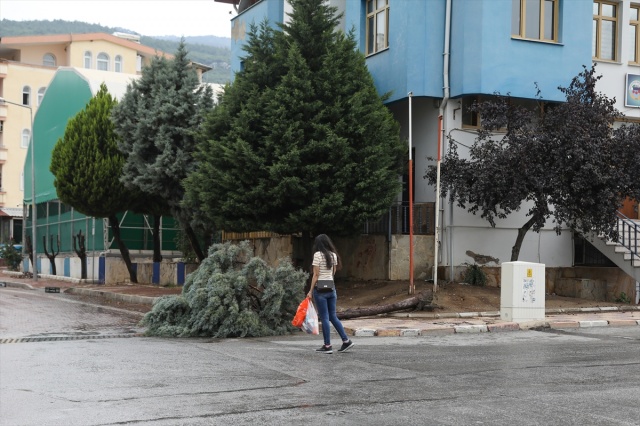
(321, 263)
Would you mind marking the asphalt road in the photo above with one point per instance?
(560, 377)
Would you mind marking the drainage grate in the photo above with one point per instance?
(61, 338)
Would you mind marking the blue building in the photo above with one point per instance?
(436, 57)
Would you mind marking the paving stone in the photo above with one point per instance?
(505, 326)
(564, 324)
(475, 328)
(594, 323)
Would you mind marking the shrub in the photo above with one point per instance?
(474, 275)
(623, 298)
(231, 294)
(11, 256)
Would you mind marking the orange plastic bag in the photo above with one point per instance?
(301, 313)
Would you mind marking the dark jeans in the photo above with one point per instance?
(326, 305)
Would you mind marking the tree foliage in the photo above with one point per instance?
(87, 165)
(156, 121)
(566, 162)
(231, 294)
(301, 141)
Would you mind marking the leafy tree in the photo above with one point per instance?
(301, 141)
(11, 255)
(566, 162)
(87, 165)
(231, 294)
(156, 121)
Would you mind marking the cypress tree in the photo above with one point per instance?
(87, 164)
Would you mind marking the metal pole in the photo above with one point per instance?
(412, 288)
(33, 202)
(33, 187)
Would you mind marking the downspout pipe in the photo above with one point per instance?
(441, 132)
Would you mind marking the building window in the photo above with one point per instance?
(634, 34)
(102, 62)
(535, 19)
(118, 64)
(48, 60)
(377, 25)
(605, 24)
(41, 95)
(26, 135)
(88, 59)
(26, 95)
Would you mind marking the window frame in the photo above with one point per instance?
(25, 139)
(635, 55)
(597, 33)
(88, 56)
(41, 92)
(26, 95)
(117, 63)
(49, 57)
(103, 59)
(522, 21)
(373, 16)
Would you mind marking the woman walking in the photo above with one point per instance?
(323, 289)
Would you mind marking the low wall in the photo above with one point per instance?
(605, 284)
(111, 269)
(364, 258)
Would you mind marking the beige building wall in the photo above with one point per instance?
(78, 49)
(16, 120)
(34, 55)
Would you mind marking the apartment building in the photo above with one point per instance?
(27, 65)
(450, 53)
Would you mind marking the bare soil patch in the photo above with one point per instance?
(451, 297)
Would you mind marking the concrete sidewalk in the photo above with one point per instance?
(395, 324)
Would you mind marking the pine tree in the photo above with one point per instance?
(301, 141)
(87, 165)
(156, 121)
(231, 294)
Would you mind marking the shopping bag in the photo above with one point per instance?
(301, 313)
(310, 323)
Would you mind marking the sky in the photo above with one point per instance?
(147, 17)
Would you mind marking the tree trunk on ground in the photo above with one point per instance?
(515, 251)
(193, 239)
(124, 251)
(418, 301)
(157, 249)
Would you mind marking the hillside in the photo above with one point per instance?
(208, 50)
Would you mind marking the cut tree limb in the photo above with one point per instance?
(418, 302)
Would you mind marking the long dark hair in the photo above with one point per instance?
(324, 245)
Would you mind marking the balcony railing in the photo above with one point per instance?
(396, 220)
(628, 236)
